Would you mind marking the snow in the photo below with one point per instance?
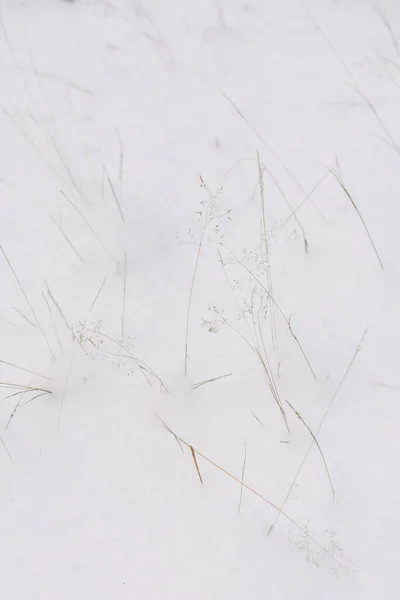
(135, 138)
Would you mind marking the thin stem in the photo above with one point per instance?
(303, 462)
(266, 251)
(260, 137)
(298, 415)
(60, 311)
(70, 244)
(278, 307)
(196, 264)
(123, 301)
(242, 478)
(27, 301)
(117, 202)
(5, 448)
(195, 386)
(253, 491)
(354, 205)
(53, 321)
(4, 362)
(88, 225)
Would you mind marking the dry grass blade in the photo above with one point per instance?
(12, 396)
(22, 390)
(289, 322)
(12, 415)
(263, 498)
(267, 369)
(64, 164)
(4, 31)
(257, 419)
(9, 322)
(170, 431)
(265, 250)
(242, 478)
(329, 43)
(273, 386)
(256, 345)
(53, 321)
(257, 280)
(319, 428)
(195, 386)
(27, 301)
(66, 238)
(4, 362)
(35, 397)
(102, 183)
(88, 225)
(64, 392)
(305, 199)
(19, 386)
(372, 108)
(290, 207)
(123, 301)
(95, 300)
(21, 314)
(387, 385)
(196, 265)
(260, 137)
(5, 448)
(382, 15)
(298, 415)
(30, 142)
(221, 18)
(121, 163)
(354, 205)
(114, 193)
(196, 463)
(60, 311)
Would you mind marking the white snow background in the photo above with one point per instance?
(221, 175)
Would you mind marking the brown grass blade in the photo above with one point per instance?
(196, 464)
(263, 498)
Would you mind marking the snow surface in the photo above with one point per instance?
(135, 138)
